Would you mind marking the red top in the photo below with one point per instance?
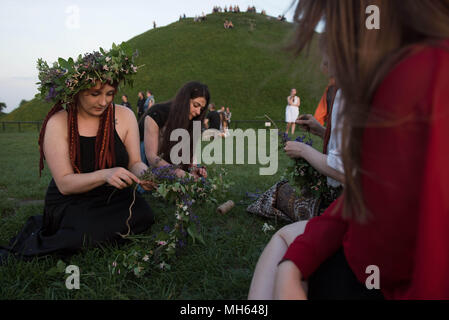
(405, 187)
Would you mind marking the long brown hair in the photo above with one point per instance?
(362, 58)
(104, 141)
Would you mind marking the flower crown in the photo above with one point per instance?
(65, 79)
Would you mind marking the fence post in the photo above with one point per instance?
(20, 127)
(3, 127)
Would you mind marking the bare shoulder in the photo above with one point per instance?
(57, 123)
(150, 123)
(124, 115)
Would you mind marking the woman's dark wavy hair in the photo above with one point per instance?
(178, 118)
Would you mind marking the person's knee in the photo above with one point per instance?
(280, 236)
(291, 231)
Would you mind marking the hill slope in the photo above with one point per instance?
(245, 68)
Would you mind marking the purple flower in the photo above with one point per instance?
(167, 229)
(284, 137)
(51, 94)
(181, 243)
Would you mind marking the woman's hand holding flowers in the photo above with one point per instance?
(199, 172)
(295, 149)
(119, 177)
(148, 185)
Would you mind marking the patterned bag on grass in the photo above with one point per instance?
(281, 201)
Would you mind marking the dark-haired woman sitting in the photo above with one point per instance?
(158, 123)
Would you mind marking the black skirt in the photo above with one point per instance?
(334, 280)
(73, 222)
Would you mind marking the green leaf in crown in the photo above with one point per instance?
(62, 81)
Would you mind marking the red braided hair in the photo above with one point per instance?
(104, 142)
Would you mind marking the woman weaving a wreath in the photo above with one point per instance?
(92, 149)
(281, 200)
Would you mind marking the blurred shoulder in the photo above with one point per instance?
(122, 112)
(58, 122)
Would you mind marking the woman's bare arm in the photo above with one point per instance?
(316, 159)
(58, 161)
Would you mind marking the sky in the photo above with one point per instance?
(50, 29)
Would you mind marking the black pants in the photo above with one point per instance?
(334, 280)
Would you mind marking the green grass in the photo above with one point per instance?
(247, 70)
(222, 269)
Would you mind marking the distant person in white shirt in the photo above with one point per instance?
(292, 110)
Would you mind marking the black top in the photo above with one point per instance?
(140, 105)
(127, 104)
(214, 120)
(87, 148)
(159, 113)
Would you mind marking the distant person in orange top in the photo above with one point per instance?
(323, 108)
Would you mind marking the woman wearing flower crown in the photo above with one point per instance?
(157, 124)
(92, 149)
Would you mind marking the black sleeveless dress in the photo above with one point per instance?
(71, 222)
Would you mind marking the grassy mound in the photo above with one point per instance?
(246, 68)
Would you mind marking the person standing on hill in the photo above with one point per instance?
(213, 118)
(125, 102)
(292, 110)
(140, 105)
(149, 101)
(227, 117)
